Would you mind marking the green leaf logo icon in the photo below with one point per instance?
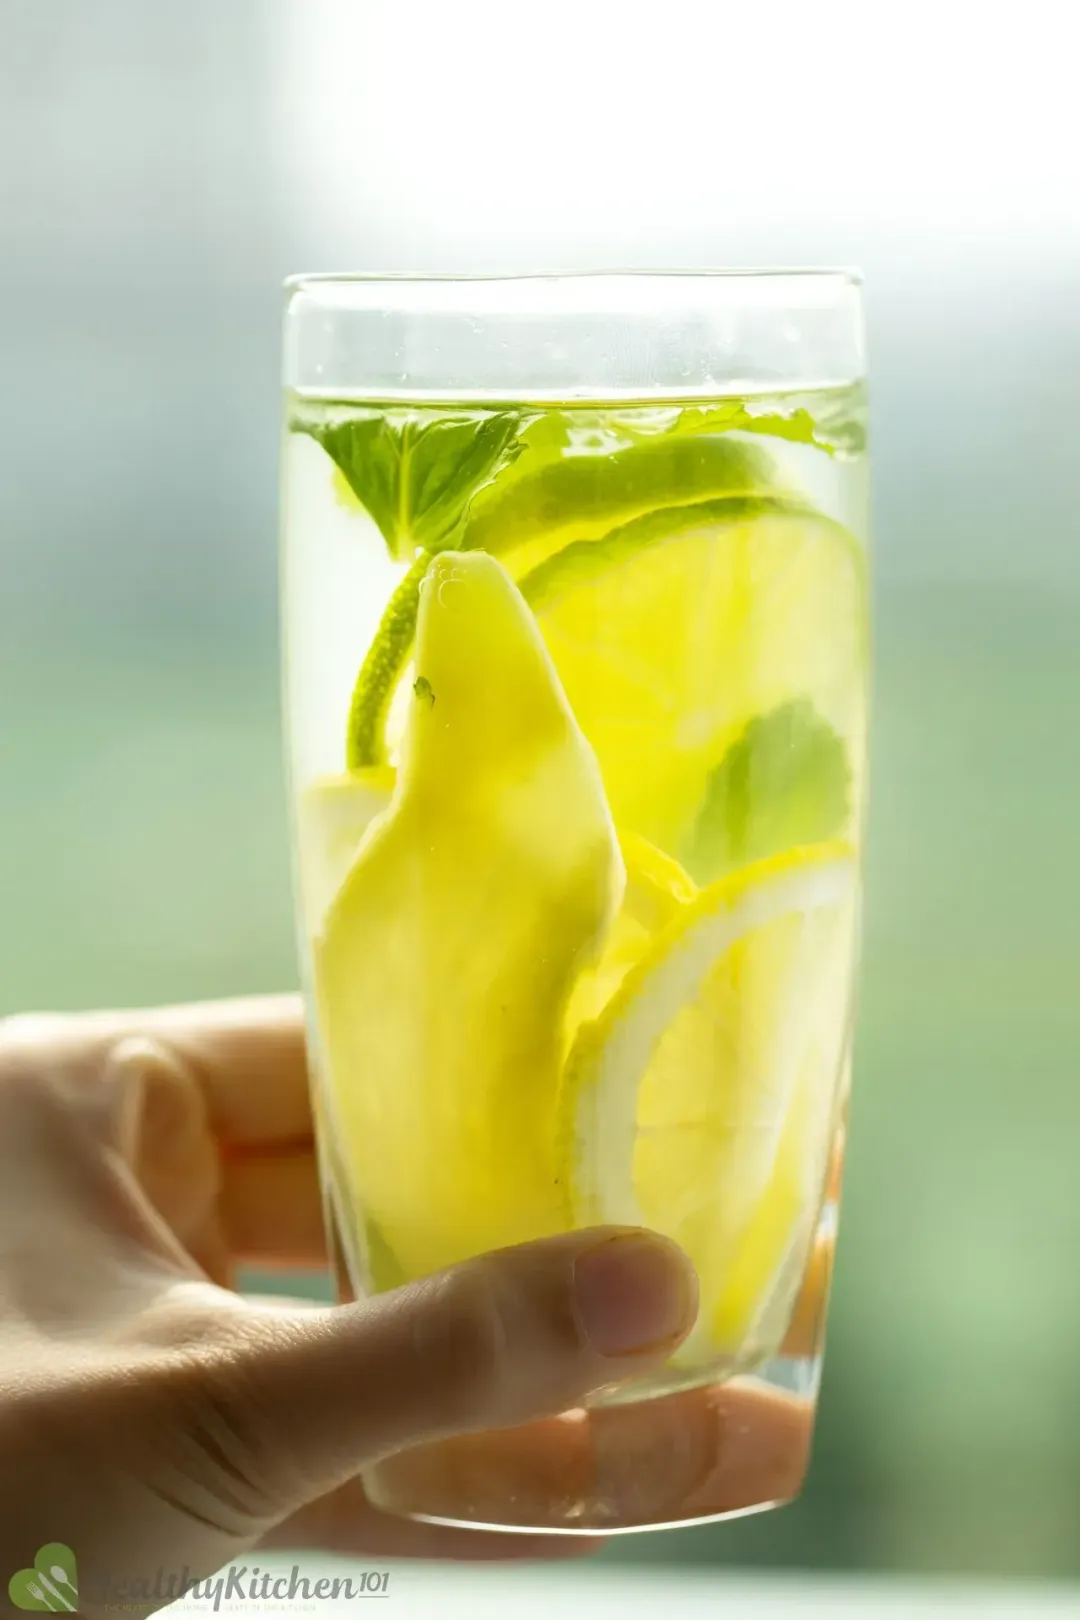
(52, 1586)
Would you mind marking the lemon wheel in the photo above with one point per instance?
(701, 1101)
(678, 631)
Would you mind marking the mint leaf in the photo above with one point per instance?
(798, 426)
(785, 781)
(416, 472)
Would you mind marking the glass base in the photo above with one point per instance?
(611, 1530)
(708, 1452)
(682, 1446)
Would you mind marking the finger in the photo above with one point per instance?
(247, 1057)
(80, 1241)
(836, 1168)
(250, 1058)
(691, 1455)
(256, 1205)
(162, 1132)
(498, 1340)
(208, 1106)
(806, 1328)
(345, 1522)
(271, 1209)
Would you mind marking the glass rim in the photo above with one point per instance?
(843, 275)
(597, 334)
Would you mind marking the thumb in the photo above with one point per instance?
(498, 1340)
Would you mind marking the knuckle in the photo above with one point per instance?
(171, 1105)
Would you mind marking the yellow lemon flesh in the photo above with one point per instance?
(656, 887)
(768, 601)
(700, 1101)
(448, 957)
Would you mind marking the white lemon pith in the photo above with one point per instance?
(333, 814)
(699, 1101)
(449, 954)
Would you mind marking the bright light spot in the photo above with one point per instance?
(486, 133)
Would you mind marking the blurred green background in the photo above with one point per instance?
(161, 169)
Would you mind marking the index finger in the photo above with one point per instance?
(250, 1059)
(247, 1057)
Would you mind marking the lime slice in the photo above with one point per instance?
(675, 632)
(448, 957)
(365, 744)
(701, 1101)
(333, 814)
(533, 510)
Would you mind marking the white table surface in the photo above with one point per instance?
(603, 1592)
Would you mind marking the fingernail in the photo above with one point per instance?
(633, 1294)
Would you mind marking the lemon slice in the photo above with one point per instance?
(701, 1101)
(333, 814)
(656, 888)
(449, 954)
(680, 629)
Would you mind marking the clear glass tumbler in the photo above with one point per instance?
(575, 608)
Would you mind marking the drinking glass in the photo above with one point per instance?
(575, 621)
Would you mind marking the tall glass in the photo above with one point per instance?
(575, 607)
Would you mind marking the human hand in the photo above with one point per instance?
(151, 1418)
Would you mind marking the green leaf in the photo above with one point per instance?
(616, 429)
(785, 781)
(733, 416)
(841, 420)
(416, 472)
